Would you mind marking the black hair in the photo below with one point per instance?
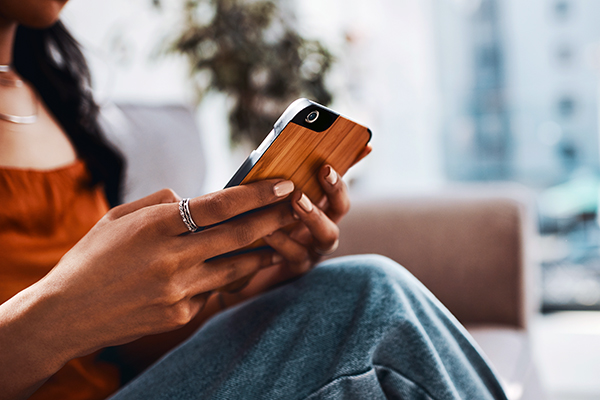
(51, 59)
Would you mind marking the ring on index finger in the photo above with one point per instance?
(186, 215)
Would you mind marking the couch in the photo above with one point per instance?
(470, 249)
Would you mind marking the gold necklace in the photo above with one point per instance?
(17, 119)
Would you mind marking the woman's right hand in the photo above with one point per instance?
(137, 273)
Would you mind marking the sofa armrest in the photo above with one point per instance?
(468, 251)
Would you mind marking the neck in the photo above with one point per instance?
(7, 39)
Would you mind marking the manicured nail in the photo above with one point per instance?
(305, 203)
(276, 259)
(283, 188)
(331, 177)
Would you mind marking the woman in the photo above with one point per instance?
(356, 327)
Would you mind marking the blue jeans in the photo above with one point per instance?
(359, 327)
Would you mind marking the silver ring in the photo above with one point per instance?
(329, 251)
(186, 215)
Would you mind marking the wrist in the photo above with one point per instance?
(34, 343)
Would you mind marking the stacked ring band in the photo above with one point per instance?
(186, 215)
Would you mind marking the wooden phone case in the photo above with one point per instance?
(298, 153)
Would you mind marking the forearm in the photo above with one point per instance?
(32, 347)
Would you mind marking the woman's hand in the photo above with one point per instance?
(137, 272)
(318, 234)
(299, 250)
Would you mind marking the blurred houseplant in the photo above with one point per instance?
(249, 50)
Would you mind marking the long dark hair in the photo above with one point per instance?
(52, 61)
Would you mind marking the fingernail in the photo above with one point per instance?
(331, 177)
(305, 203)
(283, 188)
(276, 259)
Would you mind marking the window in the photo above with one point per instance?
(487, 10)
(488, 56)
(566, 106)
(565, 54)
(562, 10)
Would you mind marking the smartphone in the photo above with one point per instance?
(305, 137)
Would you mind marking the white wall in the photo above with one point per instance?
(385, 77)
(122, 40)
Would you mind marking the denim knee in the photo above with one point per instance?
(367, 268)
(376, 280)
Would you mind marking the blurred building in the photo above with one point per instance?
(519, 88)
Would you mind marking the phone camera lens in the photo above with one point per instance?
(312, 116)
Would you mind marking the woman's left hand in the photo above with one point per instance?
(303, 247)
(318, 234)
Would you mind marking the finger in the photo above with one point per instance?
(216, 274)
(336, 192)
(302, 235)
(366, 151)
(296, 255)
(225, 204)
(237, 286)
(237, 233)
(324, 231)
(160, 197)
(198, 302)
(261, 281)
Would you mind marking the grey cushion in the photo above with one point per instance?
(161, 145)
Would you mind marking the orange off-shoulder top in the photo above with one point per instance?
(42, 215)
